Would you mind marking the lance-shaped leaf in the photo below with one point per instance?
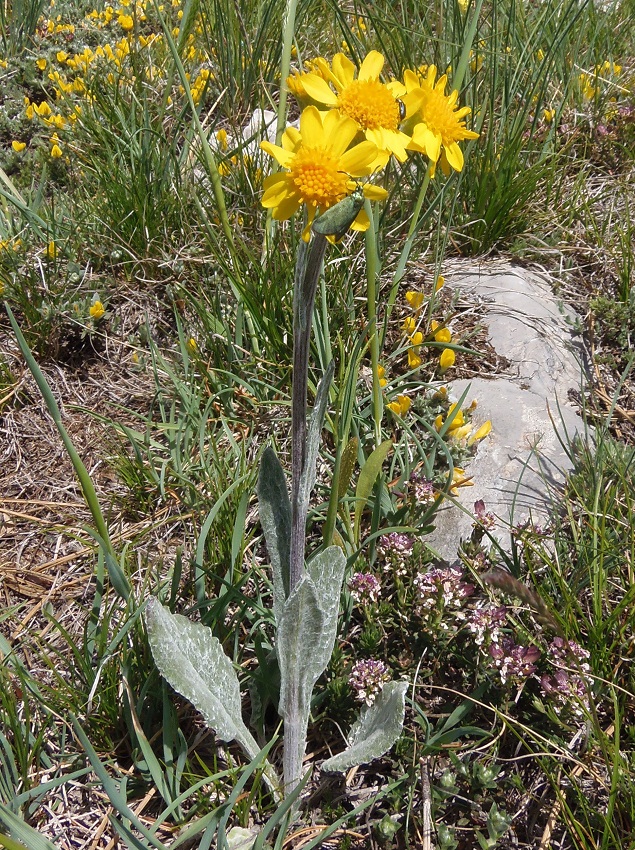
(275, 517)
(376, 731)
(313, 437)
(367, 478)
(194, 663)
(299, 631)
(327, 572)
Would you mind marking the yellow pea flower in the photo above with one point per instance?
(17, 146)
(479, 434)
(414, 299)
(401, 405)
(447, 359)
(51, 250)
(41, 63)
(97, 310)
(381, 374)
(56, 151)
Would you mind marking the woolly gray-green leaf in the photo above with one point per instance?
(375, 732)
(194, 663)
(327, 573)
(299, 632)
(275, 517)
(313, 437)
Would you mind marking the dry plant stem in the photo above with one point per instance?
(307, 275)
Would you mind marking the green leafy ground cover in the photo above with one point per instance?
(156, 296)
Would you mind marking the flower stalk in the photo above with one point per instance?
(305, 288)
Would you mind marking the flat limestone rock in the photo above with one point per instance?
(518, 465)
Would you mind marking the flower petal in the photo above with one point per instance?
(343, 69)
(311, 128)
(281, 156)
(319, 90)
(374, 193)
(358, 160)
(454, 156)
(371, 67)
(277, 188)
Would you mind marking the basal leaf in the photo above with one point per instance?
(194, 663)
(375, 732)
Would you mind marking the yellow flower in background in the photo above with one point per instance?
(43, 110)
(381, 374)
(221, 138)
(440, 123)
(440, 281)
(548, 115)
(192, 345)
(17, 146)
(447, 359)
(480, 433)
(414, 358)
(97, 310)
(464, 5)
(126, 22)
(401, 405)
(410, 324)
(41, 63)
(459, 479)
(61, 56)
(414, 299)
(441, 335)
(319, 168)
(51, 250)
(373, 105)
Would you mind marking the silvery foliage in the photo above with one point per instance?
(193, 661)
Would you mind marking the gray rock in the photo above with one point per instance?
(525, 456)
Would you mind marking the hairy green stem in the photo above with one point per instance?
(305, 288)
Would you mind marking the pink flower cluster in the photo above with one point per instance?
(441, 588)
(367, 679)
(364, 587)
(514, 661)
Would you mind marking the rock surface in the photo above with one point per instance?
(525, 455)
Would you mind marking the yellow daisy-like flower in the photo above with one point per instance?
(440, 124)
(373, 105)
(319, 168)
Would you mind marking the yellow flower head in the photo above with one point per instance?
(17, 146)
(41, 63)
(319, 166)
(51, 250)
(381, 374)
(440, 124)
(56, 151)
(97, 310)
(373, 105)
(410, 324)
(126, 22)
